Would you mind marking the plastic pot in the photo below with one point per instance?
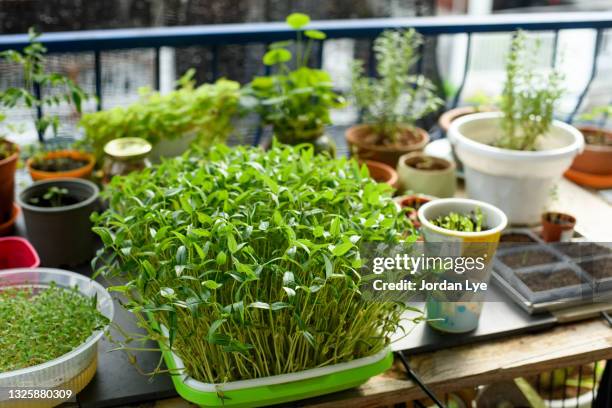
(518, 182)
(461, 316)
(7, 183)
(17, 252)
(595, 159)
(62, 235)
(75, 369)
(81, 172)
(382, 173)
(557, 226)
(360, 146)
(7, 227)
(439, 180)
(167, 148)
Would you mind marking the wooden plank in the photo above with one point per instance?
(468, 366)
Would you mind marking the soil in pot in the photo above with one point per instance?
(542, 281)
(427, 163)
(528, 258)
(413, 203)
(54, 197)
(516, 237)
(58, 164)
(598, 269)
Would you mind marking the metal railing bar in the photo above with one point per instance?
(157, 68)
(319, 60)
(39, 108)
(555, 46)
(98, 79)
(420, 62)
(220, 34)
(214, 71)
(468, 54)
(585, 91)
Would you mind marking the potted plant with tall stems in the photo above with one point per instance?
(52, 164)
(392, 103)
(244, 265)
(190, 115)
(513, 158)
(9, 154)
(296, 99)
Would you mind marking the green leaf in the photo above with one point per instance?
(210, 284)
(315, 34)
(342, 249)
(297, 20)
(221, 258)
(276, 56)
(231, 244)
(181, 255)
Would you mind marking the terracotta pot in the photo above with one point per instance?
(439, 180)
(382, 173)
(557, 227)
(7, 227)
(360, 148)
(595, 159)
(413, 202)
(83, 172)
(7, 183)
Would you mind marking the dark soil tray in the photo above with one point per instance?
(543, 281)
(598, 269)
(517, 237)
(582, 249)
(528, 257)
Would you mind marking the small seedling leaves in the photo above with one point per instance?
(297, 20)
(260, 305)
(276, 56)
(288, 279)
(309, 338)
(329, 269)
(315, 34)
(279, 305)
(342, 248)
(213, 329)
(210, 284)
(167, 293)
(221, 258)
(290, 292)
(231, 243)
(181, 255)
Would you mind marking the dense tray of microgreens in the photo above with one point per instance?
(473, 222)
(37, 326)
(251, 259)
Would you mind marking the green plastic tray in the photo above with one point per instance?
(280, 388)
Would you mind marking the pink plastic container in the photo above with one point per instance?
(17, 252)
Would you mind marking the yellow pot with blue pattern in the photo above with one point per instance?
(461, 314)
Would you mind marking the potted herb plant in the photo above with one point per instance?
(51, 321)
(233, 259)
(424, 174)
(56, 214)
(171, 122)
(461, 227)
(392, 103)
(9, 154)
(513, 158)
(52, 164)
(296, 99)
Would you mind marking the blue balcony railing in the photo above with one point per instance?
(215, 36)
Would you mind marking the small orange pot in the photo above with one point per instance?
(382, 173)
(595, 159)
(7, 182)
(557, 227)
(8, 227)
(81, 172)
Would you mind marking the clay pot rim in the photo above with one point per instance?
(594, 147)
(79, 172)
(13, 156)
(393, 176)
(450, 166)
(352, 132)
(569, 217)
(14, 214)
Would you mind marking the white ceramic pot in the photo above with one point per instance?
(439, 182)
(518, 182)
(168, 148)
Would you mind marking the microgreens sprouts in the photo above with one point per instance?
(474, 222)
(250, 259)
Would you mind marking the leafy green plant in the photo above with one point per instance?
(474, 222)
(37, 326)
(296, 102)
(206, 110)
(250, 259)
(59, 89)
(397, 99)
(54, 196)
(528, 98)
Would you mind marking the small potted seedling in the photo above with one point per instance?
(557, 226)
(424, 174)
(51, 164)
(295, 100)
(461, 227)
(410, 204)
(56, 215)
(382, 173)
(392, 103)
(512, 158)
(52, 321)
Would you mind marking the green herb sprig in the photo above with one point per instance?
(250, 259)
(474, 222)
(37, 326)
(528, 98)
